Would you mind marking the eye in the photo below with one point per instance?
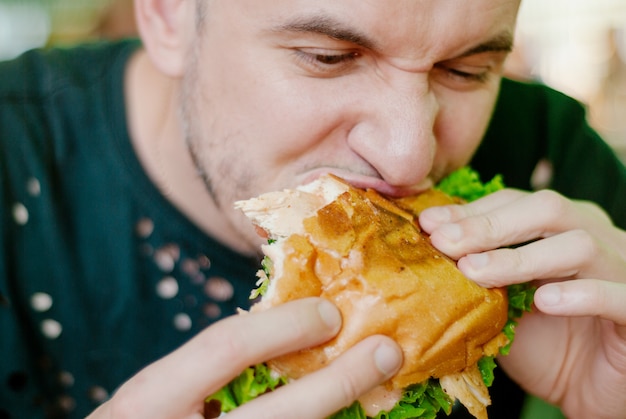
(324, 62)
(479, 77)
(470, 72)
(333, 59)
(462, 77)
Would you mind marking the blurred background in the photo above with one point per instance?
(25, 24)
(579, 48)
(576, 46)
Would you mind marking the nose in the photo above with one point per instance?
(395, 130)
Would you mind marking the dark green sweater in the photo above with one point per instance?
(99, 274)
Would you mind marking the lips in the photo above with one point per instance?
(371, 182)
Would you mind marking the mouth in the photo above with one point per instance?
(370, 182)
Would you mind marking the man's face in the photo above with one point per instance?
(387, 94)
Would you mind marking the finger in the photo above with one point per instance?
(318, 395)
(434, 217)
(584, 297)
(573, 254)
(533, 216)
(220, 352)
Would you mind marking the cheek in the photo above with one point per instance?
(254, 131)
(271, 113)
(461, 125)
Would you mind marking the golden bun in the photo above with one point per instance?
(367, 255)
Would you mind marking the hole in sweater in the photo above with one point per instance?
(66, 379)
(66, 403)
(167, 288)
(33, 187)
(166, 257)
(212, 311)
(182, 322)
(51, 328)
(219, 289)
(144, 228)
(41, 302)
(98, 394)
(20, 214)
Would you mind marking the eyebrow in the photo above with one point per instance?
(325, 25)
(500, 43)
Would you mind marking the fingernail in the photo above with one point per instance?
(387, 358)
(330, 314)
(478, 260)
(550, 294)
(452, 232)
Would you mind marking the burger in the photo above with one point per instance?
(367, 254)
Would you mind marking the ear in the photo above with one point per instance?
(166, 27)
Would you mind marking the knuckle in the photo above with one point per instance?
(553, 203)
(586, 244)
(599, 298)
(229, 344)
(350, 388)
(490, 228)
(299, 325)
(525, 266)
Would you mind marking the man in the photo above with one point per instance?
(230, 99)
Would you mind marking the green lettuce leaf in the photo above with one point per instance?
(486, 365)
(422, 400)
(264, 278)
(465, 183)
(250, 384)
(520, 300)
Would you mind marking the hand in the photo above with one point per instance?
(176, 386)
(571, 351)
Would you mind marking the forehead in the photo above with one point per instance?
(407, 28)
